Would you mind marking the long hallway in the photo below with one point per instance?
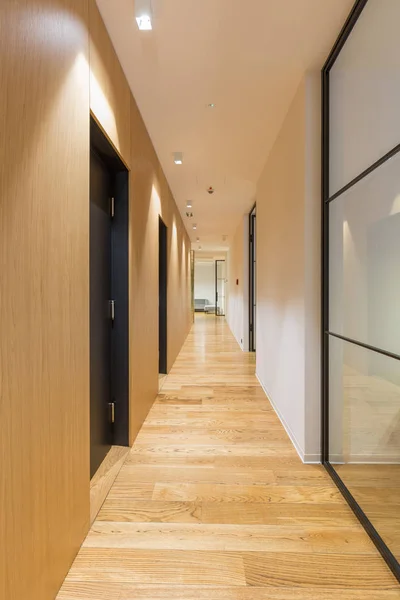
(214, 503)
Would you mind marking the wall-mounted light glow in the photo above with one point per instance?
(178, 158)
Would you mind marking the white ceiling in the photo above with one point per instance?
(247, 57)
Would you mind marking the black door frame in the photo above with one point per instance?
(325, 332)
(252, 259)
(163, 296)
(119, 413)
(216, 287)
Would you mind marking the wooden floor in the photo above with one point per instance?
(214, 503)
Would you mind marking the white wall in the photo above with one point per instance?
(204, 280)
(288, 271)
(238, 284)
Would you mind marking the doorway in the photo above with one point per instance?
(109, 297)
(162, 290)
(252, 280)
(220, 280)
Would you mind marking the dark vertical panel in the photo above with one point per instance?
(100, 322)
(252, 267)
(162, 307)
(118, 290)
(120, 294)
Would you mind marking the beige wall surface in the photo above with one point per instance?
(54, 69)
(151, 198)
(238, 295)
(288, 272)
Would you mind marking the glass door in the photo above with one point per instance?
(220, 282)
(361, 264)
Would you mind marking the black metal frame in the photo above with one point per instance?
(216, 288)
(252, 225)
(163, 296)
(326, 334)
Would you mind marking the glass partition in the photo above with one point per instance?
(361, 314)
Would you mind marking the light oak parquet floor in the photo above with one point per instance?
(214, 503)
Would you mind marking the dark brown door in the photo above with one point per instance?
(101, 429)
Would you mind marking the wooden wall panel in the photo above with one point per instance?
(114, 107)
(110, 95)
(44, 296)
(151, 198)
(44, 286)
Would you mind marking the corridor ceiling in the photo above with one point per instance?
(247, 58)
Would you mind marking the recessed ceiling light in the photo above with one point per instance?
(211, 105)
(188, 204)
(178, 158)
(194, 226)
(143, 14)
(144, 23)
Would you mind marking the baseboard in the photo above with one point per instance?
(292, 437)
(312, 459)
(240, 344)
(363, 459)
(104, 477)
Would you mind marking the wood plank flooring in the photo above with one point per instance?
(213, 502)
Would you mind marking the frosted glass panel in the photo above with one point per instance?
(364, 259)
(364, 405)
(365, 93)
(364, 432)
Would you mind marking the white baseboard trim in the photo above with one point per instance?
(305, 458)
(240, 344)
(312, 459)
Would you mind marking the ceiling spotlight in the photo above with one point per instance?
(194, 226)
(178, 158)
(212, 105)
(143, 14)
(144, 23)
(199, 247)
(197, 239)
(189, 214)
(189, 204)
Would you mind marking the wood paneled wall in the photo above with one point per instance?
(115, 109)
(57, 63)
(44, 293)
